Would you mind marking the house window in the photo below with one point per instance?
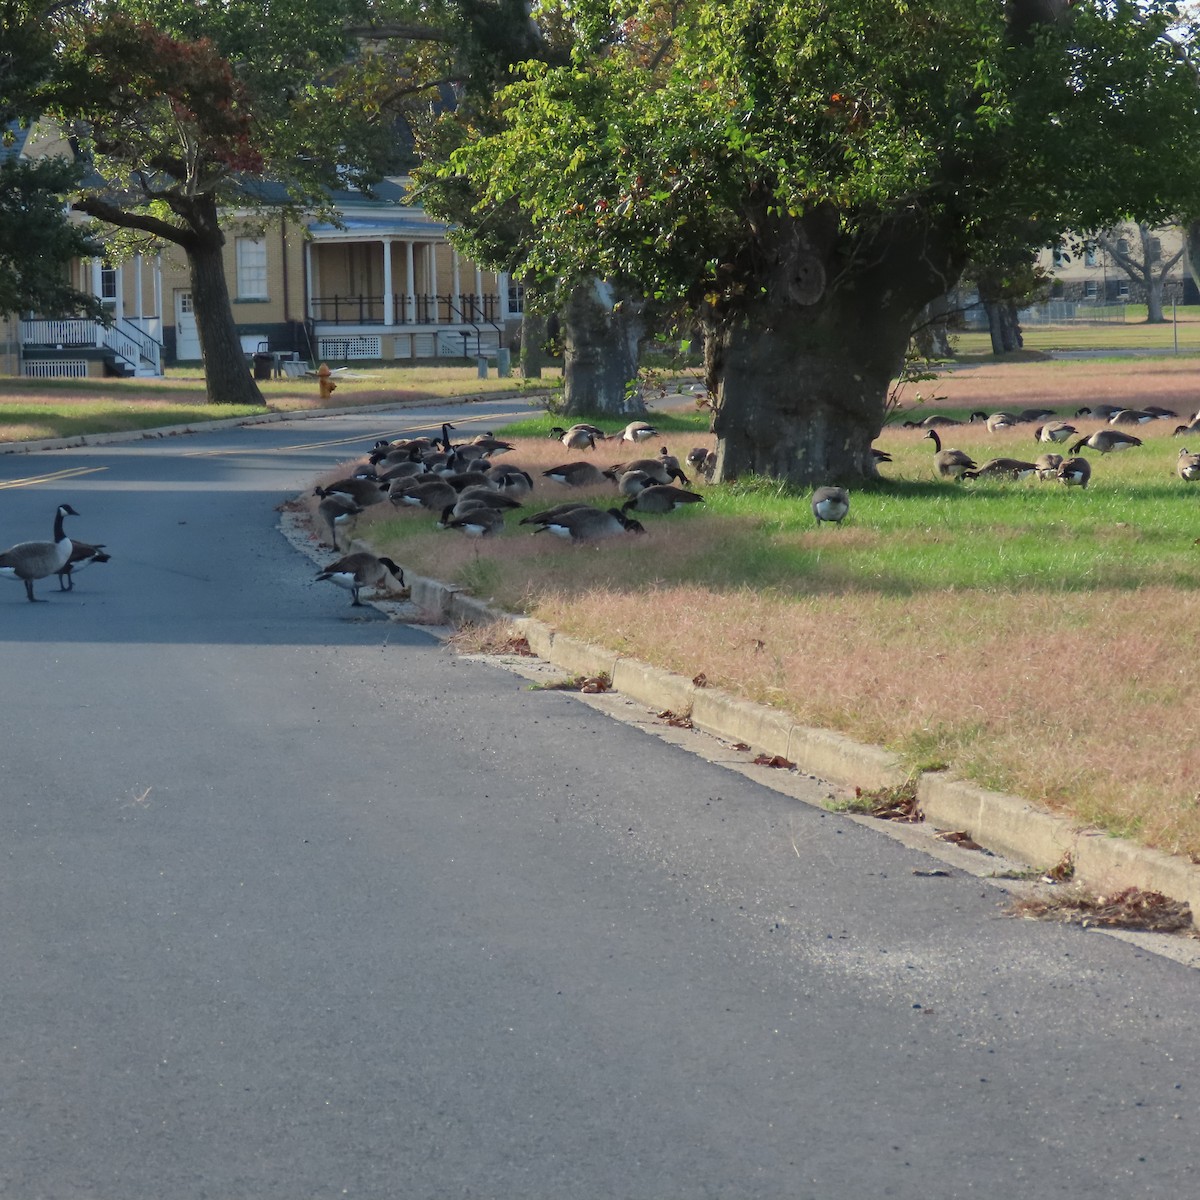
(1155, 248)
(1061, 258)
(108, 283)
(251, 269)
(1089, 256)
(516, 298)
(1122, 291)
(1122, 245)
(1091, 289)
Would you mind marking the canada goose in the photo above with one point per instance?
(830, 504)
(466, 479)
(488, 496)
(576, 438)
(1192, 426)
(477, 521)
(637, 431)
(1100, 411)
(360, 570)
(576, 474)
(949, 464)
(1105, 441)
(877, 457)
(408, 469)
(1047, 465)
(703, 460)
(28, 561)
(337, 510)
(1187, 466)
(364, 491)
(997, 421)
(434, 495)
(464, 458)
(629, 483)
(491, 446)
(1009, 468)
(659, 468)
(1075, 472)
(1027, 416)
(588, 524)
(446, 436)
(661, 498)
(1163, 414)
(1057, 431)
(82, 553)
(549, 515)
(1131, 416)
(512, 481)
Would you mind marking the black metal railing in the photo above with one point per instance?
(464, 308)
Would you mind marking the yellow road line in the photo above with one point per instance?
(52, 477)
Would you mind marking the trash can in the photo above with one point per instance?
(263, 365)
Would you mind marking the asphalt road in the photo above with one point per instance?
(297, 905)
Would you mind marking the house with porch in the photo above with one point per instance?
(380, 284)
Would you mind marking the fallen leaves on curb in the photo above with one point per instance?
(897, 803)
(741, 745)
(773, 760)
(1062, 872)
(575, 683)
(673, 718)
(1131, 908)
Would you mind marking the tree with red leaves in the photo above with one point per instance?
(179, 133)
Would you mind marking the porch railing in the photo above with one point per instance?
(362, 309)
(122, 337)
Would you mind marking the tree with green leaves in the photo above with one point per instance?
(187, 113)
(37, 241)
(1142, 259)
(808, 176)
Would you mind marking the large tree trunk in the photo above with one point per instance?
(533, 342)
(804, 370)
(602, 332)
(227, 377)
(1004, 326)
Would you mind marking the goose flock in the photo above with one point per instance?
(468, 488)
(1069, 468)
(61, 556)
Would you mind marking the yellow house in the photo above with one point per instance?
(381, 284)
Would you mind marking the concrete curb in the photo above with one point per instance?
(1007, 825)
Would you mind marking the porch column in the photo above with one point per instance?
(158, 301)
(410, 295)
(119, 289)
(137, 291)
(389, 306)
(432, 284)
(457, 314)
(98, 291)
(502, 288)
(477, 309)
(310, 276)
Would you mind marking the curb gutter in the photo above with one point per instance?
(1008, 825)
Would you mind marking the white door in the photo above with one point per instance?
(187, 339)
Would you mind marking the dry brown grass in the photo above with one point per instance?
(1080, 699)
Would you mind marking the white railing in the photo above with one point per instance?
(73, 331)
(131, 344)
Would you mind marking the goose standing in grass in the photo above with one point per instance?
(1100, 411)
(547, 516)
(1193, 426)
(1075, 472)
(1055, 431)
(1187, 466)
(830, 504)
(1163, 414)
(1027, 416)
(1001, 420)
(1131, 416)
(82, 553)
(1047, 465)
(478, 520)
(578, 437)
(703, 461)
(1007, 468)
(434, 495)
(356, 571)
(949, 463)
(630, 483)
(588, 524)
(661, 498)
(512, 481)
(364, 491)
(637, 431)
(576, 474)
(1105, 441)
(28, 561)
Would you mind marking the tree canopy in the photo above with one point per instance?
(807, 176)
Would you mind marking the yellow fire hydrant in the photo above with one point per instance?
(325, 381)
